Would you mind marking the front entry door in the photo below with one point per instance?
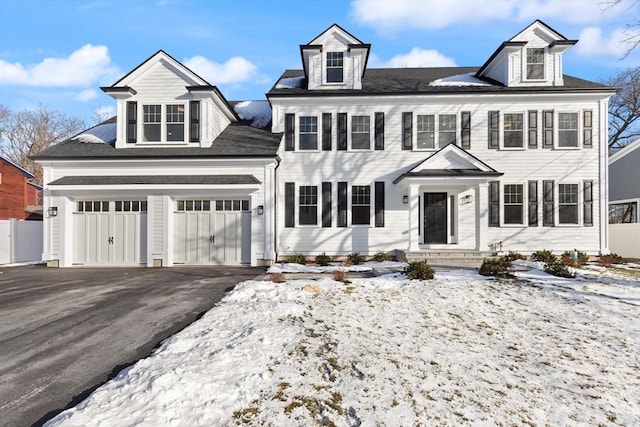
(435, 217)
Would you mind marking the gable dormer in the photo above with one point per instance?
(334, 60)
(533, 57)
(163, 103)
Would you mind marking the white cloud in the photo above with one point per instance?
(235, 70)
(86, 95)
(416, 58)
(83, 67)
(105, 112)
(594, 43)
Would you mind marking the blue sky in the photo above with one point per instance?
(59, 53)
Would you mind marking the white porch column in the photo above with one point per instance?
(269, 212)
(482, 216)
(414, 219)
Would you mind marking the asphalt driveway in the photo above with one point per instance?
(63, 332)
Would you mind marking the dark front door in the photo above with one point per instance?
(435, 217)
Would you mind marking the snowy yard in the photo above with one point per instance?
(460, 349)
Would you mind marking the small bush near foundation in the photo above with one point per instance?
(381, 257)
(497, 267)
(355, 258)
(419, 270)
(297, 259)
(567, 258)
(512, 256)
(277, 277)
(559, 269)
(543, 256)
(340, 276)
(323, 259)
(608, 260)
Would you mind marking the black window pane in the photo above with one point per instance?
(118, 206)
(308, 141)
(180, 205)
(236, 205)
(245, 205)
(361, 215)
(206, 205)
(513, 214)
(143, 206)
(334, 75)
(219, 205)
(568, 214)
(308, 215)
(127, 206)
(175, 132)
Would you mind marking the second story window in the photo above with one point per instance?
(308, 133)
(335, 67)
(175, 122)
(426, 137)
(162, 122)
(535, 64)
(446, 129)
(151, 123)
(567, 130)
(360, 133)
(513, 130)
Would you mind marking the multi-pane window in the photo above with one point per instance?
(131, 206)
(567, 129)
(93, 206)
(360, 132)
(360, 205)
(513, 204)
(535, 64)
(175, 122)
(308, 205)
(622, 213)
(568, 203)
(426, 131)
(194, 205)
(513, 130)
(308, 133)
(446, 129)
(151, 123)
(335, 67)
(232, 205)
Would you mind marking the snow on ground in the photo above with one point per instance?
(101, 134)
(460, 349)
(299, 268)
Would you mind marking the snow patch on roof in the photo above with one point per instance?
(101, 134)
(258, 112)
(290, 83)
(459, 80)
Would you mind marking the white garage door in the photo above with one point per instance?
(212, 232)
(110, 232)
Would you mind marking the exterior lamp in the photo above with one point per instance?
(405, 199)
(52, 211)
(260, 210)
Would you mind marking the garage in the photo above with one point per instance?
(212, 232)
(110, 232)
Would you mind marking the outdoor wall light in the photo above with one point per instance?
(467, 199)
(405, 199)
(52, 211)
(260, 210)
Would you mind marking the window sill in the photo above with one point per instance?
(566, 148)
(513, 148)
(162, 143)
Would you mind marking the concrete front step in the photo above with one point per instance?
(449, 258)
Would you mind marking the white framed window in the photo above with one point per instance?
(152, 123)
(308, 136)
(513, 130)
(568, 204)
(513, 204)
(175, 122)
(360, 132)
(568, 125)
(447, 129)
(435, 131)
(535, 63)
(92, 206)
(232, 205)
(308, 205)
(623, 211)
(335, 67)
(163, 122)
(360, 205)
(130, 205)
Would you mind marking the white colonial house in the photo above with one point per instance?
(511, 155)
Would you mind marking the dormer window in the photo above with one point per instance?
(335, 67)
(153, 124)
(535, 64)
(175, 122)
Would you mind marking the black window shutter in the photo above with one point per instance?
(587, 129)
(547, 207)
(494, 130)
(289, 132)
(466, 129)
(532, 134)
(379, 131)
(533, 203)
(342, 131)
(407, 131)
(326, 204)
(588, 203)
(379, 204)
(494, 204)
(326, 131)
(194, 121)
(132, 121)
(289, 204)
(548, 129)
(342, 204)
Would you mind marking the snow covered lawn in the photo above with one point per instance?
(460, 349)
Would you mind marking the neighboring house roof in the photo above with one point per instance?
(157, 179)
(627, 149)
(24, 172)
(36, 186)
(417, 81)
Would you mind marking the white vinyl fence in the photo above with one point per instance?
(624, 239)
(20, 241)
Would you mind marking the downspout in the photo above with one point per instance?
(275, 210)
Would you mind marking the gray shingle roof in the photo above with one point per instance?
(407, 81)
(237, 140)
(157, 179)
